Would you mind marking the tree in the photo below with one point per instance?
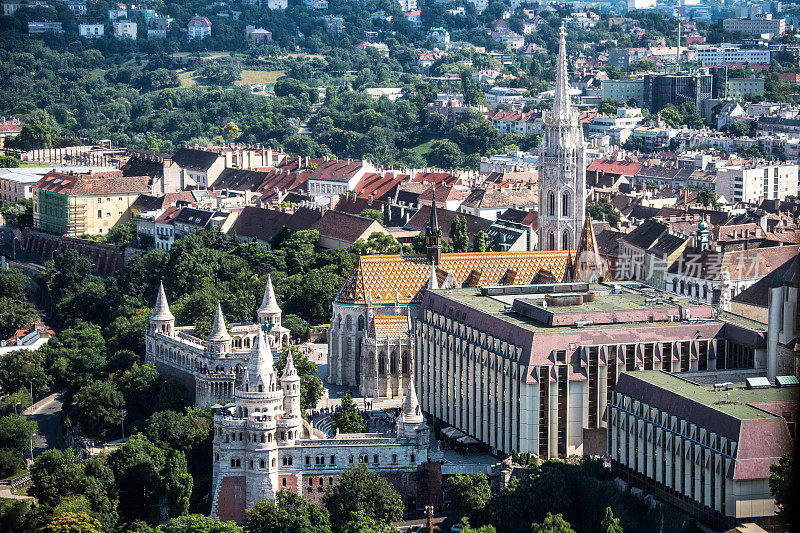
(55, 475)
(374, 214)
(18, 214)
(445, 154)
(14, 315)
(479, 242)
(707, 196)
(138, 467)
(469, 494)
(98, 407)
(195, 523)
(39, 130)
(782, 485)
(634, 143)
(10, 462)
(359, 522)
(359, 489)
(7, 161)
(348, 419)
(122, 233)
(289, 513)
(609, 523)
(13, 284)
(296, 325)
(230, 130)
(73, 523)
(552, 524)
(178, 483)
(70, 269)
(16, 432)
(458, 234)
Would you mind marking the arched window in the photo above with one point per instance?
(551, 204)
(360, 323)
(565, 244)
(551, 240)
(262, 464)
(348, 323)
(565, 204)
(382, 364)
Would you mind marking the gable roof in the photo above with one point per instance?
(240, 180)
(342, 227)
(257, 223)
(355, 205)
(758, 293)
(446, 217)
(382, 278)
(92, 184)
(645, 235)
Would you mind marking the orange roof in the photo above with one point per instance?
(389, 326)
(612, 166)
(382, 278)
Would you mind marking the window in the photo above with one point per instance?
(99, 200)
(99, 213)
(551, 241)
(350, 459)
(283, 481)
(413, 457)
(561, 356)
(262, 463)
(394, 458)
(375, 459)
(551, 204)
(333, 459)
(308, 460)
(565, 204)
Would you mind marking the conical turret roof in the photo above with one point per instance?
(289, 371)
(433, 281)
(269, 304)
(218, 330)
(259, 365)
(412, 414)
(161, 310)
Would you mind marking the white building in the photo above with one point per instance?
(758, 26)
(750, 183)
(125, 29)
(510, 96)
(198, 28)
(277, 4)
(117, 13)
(710, 55)
(91, 31)
(407, 5)
(510, 162)
(77, 7)
(440, 35)
(641, 4)
(626, 120)
(562, 187)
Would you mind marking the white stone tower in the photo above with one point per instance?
(562, 167)
(162, 321)
(411, 423)
(218, 342)
(269, 313)
(291, 423)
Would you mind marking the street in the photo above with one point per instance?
(47, 414)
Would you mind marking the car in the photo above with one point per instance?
(457, 528)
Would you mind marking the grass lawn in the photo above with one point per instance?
(186, 77)
(423, 148)
(267, 77)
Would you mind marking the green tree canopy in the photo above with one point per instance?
(359, 489)
(289, 513)
(469, 494)
(552, 524)
(348, 419)
(195, 523)
(458, 234)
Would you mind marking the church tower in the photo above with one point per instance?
(562, 167)
(433, 235)
(219, 341)
(162, 321)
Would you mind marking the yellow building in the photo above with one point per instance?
(72, 204)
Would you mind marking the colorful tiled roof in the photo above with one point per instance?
(389, 326)
(382, 278)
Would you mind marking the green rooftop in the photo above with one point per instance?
(706, 395)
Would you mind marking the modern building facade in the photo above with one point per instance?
(533, 368)
(562, 167)
(749, 183)
(756, 26)
(676, 89)
(710, 55)
(702, 443)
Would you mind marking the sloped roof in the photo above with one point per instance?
(612, 166)
(645, 235)
(97, 183)
(261, 224)
(240, 180)
(758, 293)
(139, 166)
(388, 326)
(381, 277)
(446, 217)
(354, 206)
(342, 226)
(195, 159)
(756, 262)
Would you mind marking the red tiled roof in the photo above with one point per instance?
(97, 183)
(612, 166)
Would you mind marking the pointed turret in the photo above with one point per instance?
(433, 235)
(412, 414)
(219, 333)
(161, 310)
(290, 383)
(589, 265)
(269, 304)
(433, 281)
(260, 370)
(562, 107)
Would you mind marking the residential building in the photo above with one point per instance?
(510, 162)
(338, 230)
(44, 27)
(634, 5)
(414, 17)
(73, 204)
(257, 35)
(392, 93)
(77, 7)
(158, 27)
(117, 13)
(624, 90)
(9, 127)
(277, 4)
(663, 89)
(198, 27)
(15, 183)
(508, 38)
(711, 55)
(337, 177)
(91, 31)
(562, 187)
(11, 6)
(534, 371)
(480, 5)
(490, 202)
(510, 96)
(750, 183)
(333, 24)
(451, 106)
(703, 443)
(738, 88)
(407, 5)
(626, 120)
(521, 122)
(440, 35)
(125, 29)
(201, 167)
(756, 26)
(316, 4)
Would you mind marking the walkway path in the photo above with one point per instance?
(47, 414)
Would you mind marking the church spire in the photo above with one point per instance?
(269, 303)
(433, 235)
(589, 265)
(411, 410)
(161, 310)
(562, 107)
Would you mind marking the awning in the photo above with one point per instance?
(467, 440)
(452, 433)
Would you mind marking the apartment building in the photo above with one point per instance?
(750, 183)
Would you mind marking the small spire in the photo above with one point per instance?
(289, 371)
(433, 281)
(161, 310)
(259, 365)
(411, 411)
(218, 330)
(269, 303)
(562, 106)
